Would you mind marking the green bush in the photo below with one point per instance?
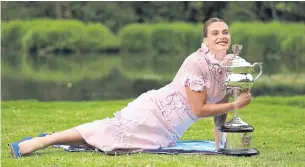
(136, 38)
(45, 35)
(161, 38)
(97, 37)
(293, 52)
(60, 35)
(174, 38)
(194, 38)
(272, 43)
(12, 33)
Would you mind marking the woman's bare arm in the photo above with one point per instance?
(197, 100)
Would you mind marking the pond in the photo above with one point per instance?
(83, 77)
(96, 77)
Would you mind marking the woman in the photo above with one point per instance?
(158, 118)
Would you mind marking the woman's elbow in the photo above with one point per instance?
(211, 110)
(204, 114)
(201, 112)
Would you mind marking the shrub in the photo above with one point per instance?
(174, 38)
(45, 35)
(60, 35)
(12, 33)
(271, 43)
(136, 38)
(97, 37)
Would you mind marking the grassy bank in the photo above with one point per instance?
(278, 122)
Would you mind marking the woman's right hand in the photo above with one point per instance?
(242, 100)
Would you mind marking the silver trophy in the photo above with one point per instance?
(236, 135)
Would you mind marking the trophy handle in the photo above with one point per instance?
(261, 70)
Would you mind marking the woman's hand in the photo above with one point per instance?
(242, 100)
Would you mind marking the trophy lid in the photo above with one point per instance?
(237, 61)
(236, 125)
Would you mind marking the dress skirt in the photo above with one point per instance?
(155, 119)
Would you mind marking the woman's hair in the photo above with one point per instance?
(208, 23)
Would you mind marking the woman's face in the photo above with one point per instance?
(218, 37)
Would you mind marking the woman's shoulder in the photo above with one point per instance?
(196, 58)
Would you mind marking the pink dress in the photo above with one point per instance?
(157, 118)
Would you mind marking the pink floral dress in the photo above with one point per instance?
(158, 118)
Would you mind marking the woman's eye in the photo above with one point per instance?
(226, 32)
(214, 33)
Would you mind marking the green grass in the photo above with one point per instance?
(279, 134)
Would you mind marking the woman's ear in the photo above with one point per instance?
(205, 41)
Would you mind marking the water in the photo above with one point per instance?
(97, 89)
(96, 77)
(80, 77)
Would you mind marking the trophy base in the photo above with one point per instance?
(239, 152)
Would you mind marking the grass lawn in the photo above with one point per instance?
(278, 121)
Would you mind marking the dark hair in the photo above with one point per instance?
(208, 23)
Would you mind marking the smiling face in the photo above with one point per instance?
(217, 37)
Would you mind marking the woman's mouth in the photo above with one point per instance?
(222, 42)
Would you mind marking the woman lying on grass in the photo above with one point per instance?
(158, 118)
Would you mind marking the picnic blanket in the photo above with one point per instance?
(182, 147)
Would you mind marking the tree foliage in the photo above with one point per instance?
(117, 14)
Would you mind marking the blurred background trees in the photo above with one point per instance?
(61, 50)
(117, 14)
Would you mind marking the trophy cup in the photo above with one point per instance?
(236, 135)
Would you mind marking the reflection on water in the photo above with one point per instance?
(96, 77)
(77, 78)
(110, 88)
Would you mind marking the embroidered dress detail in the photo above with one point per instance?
(170, 141)
(195, 82)
(124, 135)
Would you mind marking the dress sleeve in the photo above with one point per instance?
(195, 78)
